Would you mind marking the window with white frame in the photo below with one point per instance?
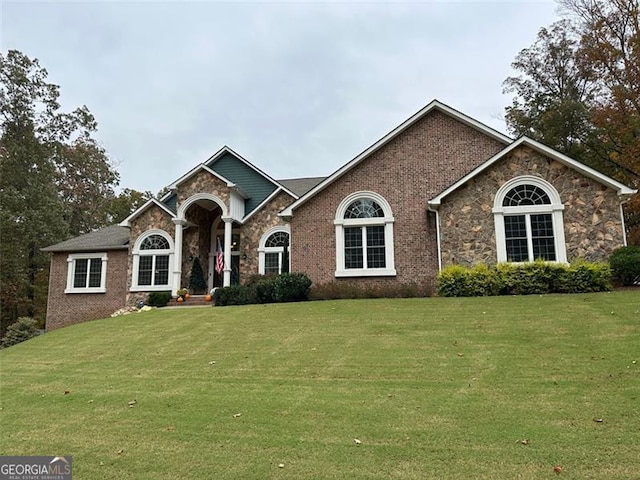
(364, 236)
(86, 273)
(273, 251)
(152, 261)
(528, 221)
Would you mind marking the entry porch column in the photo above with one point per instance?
(177, 258)
(228, 224)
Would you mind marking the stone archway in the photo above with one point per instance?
(193, 222)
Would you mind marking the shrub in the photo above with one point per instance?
(524, 279)
(264, 288)
(22, 329)
(348, 289)
(625, 265)
(582, 277)
(287, 287)
(158, 299)
(234, 295)
(292, 287)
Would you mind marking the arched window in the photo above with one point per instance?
(364, 236)
(273, 251)
(528, 221)
(152, 261)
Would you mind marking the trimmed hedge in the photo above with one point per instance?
(523, 279)
(158, 299)
(287, 287)
(625, 265)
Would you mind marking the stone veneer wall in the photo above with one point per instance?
(409, 170)
(592, 223)
(203, 182)
(197, 241)
(254, 228)
(153, 218)
(65, 309)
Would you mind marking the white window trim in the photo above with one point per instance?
(262, 249)
(71, 268)
(137, 253)
(555, 209)
(340, 223)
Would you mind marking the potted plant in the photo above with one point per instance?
(183, 294)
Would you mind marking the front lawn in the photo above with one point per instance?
(468, 388)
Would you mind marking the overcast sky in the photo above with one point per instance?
(297, 88)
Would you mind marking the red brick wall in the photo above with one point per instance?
(409, 170)
(69, 308)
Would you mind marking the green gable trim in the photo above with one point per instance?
(248, 179)
(171, 202)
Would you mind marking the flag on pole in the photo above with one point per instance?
(219, 259)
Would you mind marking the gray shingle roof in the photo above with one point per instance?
(113, 237)
(300, 186)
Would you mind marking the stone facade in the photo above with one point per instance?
(69, 308)
(203, 182)
(255, 227)
(592, 223)
(407, 171)
(153, 218)
(197, 240)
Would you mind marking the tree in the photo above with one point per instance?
(51, 171)
(579, 91)
(553, 92)
(610, 42)
(197, 281)
(126, 202)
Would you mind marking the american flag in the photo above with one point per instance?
(219, 259)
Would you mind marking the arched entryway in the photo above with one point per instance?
(196, 240)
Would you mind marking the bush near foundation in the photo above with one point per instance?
(158, 299)
(625, 265)
(338, 290)
(523, 279)
(286, 287)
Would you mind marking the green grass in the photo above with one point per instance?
(433, 388)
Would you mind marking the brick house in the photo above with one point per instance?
(440, 189)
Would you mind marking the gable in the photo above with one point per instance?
(256, 184)
(525, 142)
(450, 142)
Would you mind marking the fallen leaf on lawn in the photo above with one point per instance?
(557, 469)
(357, 442)
(236, 415)
(120, 451)
(461, 354)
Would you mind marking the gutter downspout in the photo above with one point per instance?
(624, 227)
(435, 210)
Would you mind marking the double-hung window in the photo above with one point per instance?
(86, 273)
(364, 236)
